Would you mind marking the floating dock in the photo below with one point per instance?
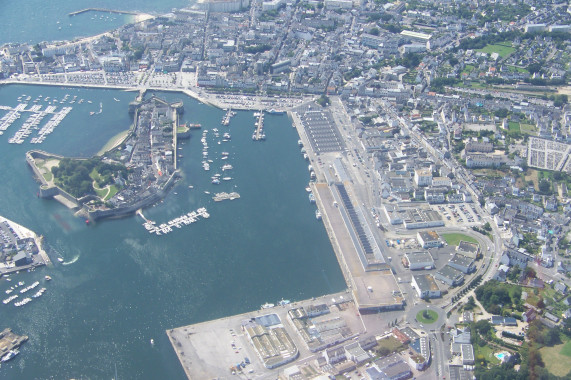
(218, 197)
(178, 222)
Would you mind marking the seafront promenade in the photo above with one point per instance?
(223, 101)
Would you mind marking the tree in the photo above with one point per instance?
(323, 101)
(470, 304)
(544, 186)
(383, 351)
(501, 113)
(374, 31)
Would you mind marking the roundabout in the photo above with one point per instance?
(427, 316)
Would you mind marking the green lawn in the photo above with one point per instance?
(556, 358)
(566, 349)
(432, 316)
(514, 126)
(527, 128)
(112, 191)
(456, 238)
(502, 50)
(487, 352)
(518, 69)
(392, 343)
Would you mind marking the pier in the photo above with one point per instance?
(226, 119)
(85, 10)
(259, 131)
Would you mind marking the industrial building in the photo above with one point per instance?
(468, 249)
(450, 276)
(418, 260)
(463, 263)
(428, 239)
(425, 286)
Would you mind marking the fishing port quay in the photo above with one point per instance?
(23, 249)
(268, 343)
(9, 344)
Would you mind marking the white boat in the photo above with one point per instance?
(10, 355)
(268, 305)
(227, 167)
(9, 299)
(283, 302)
(60, 259)
(317, 214)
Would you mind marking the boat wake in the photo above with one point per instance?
(72, 261)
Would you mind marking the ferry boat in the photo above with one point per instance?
(9, 356)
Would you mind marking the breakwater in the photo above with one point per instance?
(102, 10)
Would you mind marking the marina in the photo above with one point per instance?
(178, 222)
(33, 121)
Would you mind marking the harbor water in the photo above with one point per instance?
(120, 286)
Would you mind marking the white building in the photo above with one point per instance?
(422, 177)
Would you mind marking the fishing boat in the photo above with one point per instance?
(9, 356)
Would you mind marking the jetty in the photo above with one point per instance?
(259, 129)
(226, 119)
